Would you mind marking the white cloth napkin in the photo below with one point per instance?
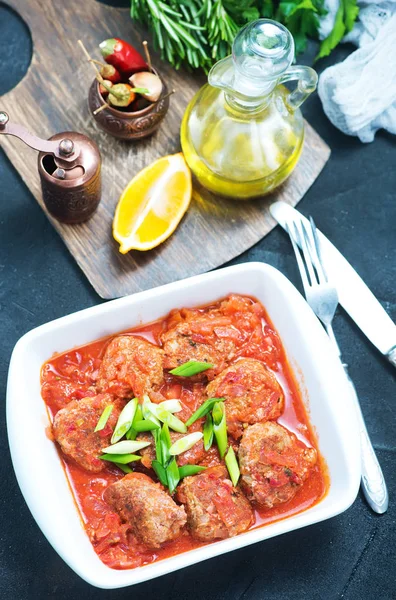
(359, 94)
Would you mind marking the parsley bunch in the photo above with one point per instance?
(197, 33)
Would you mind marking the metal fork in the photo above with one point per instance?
(322, 297)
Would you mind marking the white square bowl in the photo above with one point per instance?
(317, 369)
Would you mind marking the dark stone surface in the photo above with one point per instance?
(351, 556)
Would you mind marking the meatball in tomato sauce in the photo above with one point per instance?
(273, 463)
(74, 430)
(131, 366)
(215, 509)
(152, 514)
(252, 394)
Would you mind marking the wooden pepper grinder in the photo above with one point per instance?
(69, 166)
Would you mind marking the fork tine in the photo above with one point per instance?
(306, 252)
(312, 250)
(318, 247)
(300, 262)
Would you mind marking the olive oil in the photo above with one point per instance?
(242, 134)
(236, 154)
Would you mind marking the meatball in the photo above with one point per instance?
(152, 514)
(193, 456)
(74, 430)
(130, 366)
(273, 463)
(252, 394)
(215, 509)
(204, 337)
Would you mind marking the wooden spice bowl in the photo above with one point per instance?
(126, 125)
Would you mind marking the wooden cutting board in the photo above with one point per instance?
(53, 98)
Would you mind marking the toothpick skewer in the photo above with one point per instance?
(148, 57)
(97, 72)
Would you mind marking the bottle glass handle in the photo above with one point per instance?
(307, 80)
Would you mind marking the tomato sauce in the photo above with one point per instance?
(70, 376)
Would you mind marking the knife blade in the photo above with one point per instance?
(354, 295)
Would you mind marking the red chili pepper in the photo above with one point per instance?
(110, 73)
(122, 56)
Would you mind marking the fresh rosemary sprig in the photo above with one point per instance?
(197, 33)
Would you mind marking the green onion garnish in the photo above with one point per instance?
(172, 406)
(166, 442)
(185, 443)
(208, 432)
(190, 368)
(149, 410)
(203, 410)
(126, 447)
(172, 475)
(123, 459)
(132, 433)
(232, 466)
(124, 468)
(125, 420)
(145, 425)
(220, 427)
(158, 449)
(188, 470)
(160, 472)
(172, 421)
(104, 417)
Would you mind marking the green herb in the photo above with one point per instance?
(158, 448)
(170, 419)
(197, 33)
(149, 410)
(145, 425)
(344, 22)
(125, 447)
(166, 443)
(124, 468)
(172, 475)
(104, 417)
(185, 443)
(132, 432)
(232, 466)
(125, 420)
(122, 459)
(188, 470)
(160, 472)
(220, 427)
(190, 368)
(172, 406)
(203, 410)
(208, 432)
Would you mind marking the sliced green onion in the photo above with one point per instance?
(132, 433)
(172, 475)
(203, 410)
(149, 410)
(188, 470)
(125, 420)
(190, 368)
(124, 468)
(123, 459)
(125, 447)
(208, 432)
(220, 427)
(160, 472)
(172, 421)
(172, 406)
(104, 417)
(158, 449)
(166, 443)
(232, 466)
(185, 443)
(146, 425)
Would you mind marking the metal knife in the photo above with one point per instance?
(353, 294)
